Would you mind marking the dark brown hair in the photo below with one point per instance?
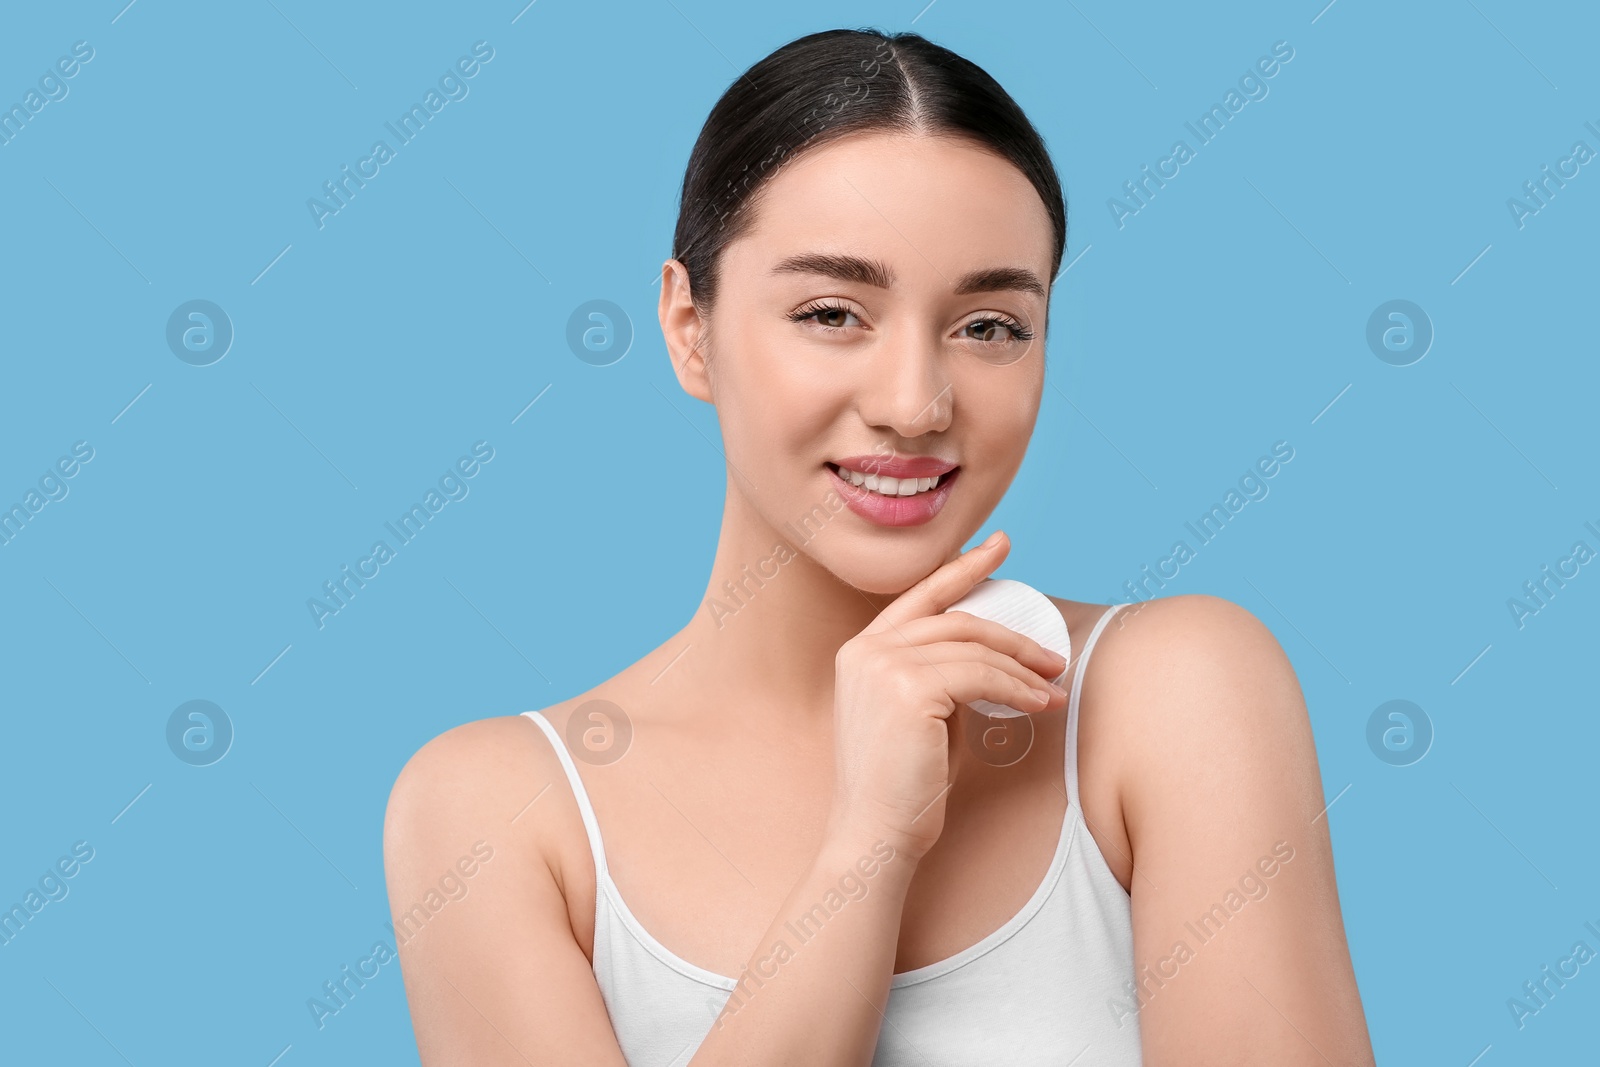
(820, 87)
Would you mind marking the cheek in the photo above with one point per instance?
(997, 410)
(780, 403)
(773, 433)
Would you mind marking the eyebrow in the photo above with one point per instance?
(875, 273)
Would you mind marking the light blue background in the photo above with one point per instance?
(1226, 315)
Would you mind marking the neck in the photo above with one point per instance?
(772, 619)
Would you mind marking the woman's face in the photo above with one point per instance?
(885, 313)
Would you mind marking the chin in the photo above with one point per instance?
(881, 586)
(885, 571)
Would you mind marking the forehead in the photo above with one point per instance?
(934, 204)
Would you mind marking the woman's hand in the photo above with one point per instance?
(895, 686)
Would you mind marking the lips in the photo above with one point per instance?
(881, 510)
(896, 466)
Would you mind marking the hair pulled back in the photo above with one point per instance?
(820, 87)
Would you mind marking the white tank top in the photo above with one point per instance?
(1050, 986)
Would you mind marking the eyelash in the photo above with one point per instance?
(1019, 332)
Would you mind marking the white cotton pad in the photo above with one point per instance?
(1020, 607)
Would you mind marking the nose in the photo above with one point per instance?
(906, 388)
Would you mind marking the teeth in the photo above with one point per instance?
(887, 486)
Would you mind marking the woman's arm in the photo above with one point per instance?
(495, 978)
(493, 974)
(895, 686)
(1239, 947)
(820, 1001)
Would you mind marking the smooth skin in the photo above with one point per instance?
(775, 747)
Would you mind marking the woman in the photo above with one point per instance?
(784, 836)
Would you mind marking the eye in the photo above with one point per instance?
(826, 315)
(990, 327)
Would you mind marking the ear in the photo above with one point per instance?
(684, 330)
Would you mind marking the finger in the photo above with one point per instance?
(963, 681)
(943, 653)
(965, 626)
(949, 583)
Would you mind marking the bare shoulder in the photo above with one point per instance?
(1198, 692)
(470, 772)
(483, 852)
(1206, 741)
(478, 781)
(1175, 624)
(1188, 696)
(1191, 720)
(1155, 652)
(504, 774)
(1180, 633)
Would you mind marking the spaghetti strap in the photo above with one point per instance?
(590, 824)
(1071, 746)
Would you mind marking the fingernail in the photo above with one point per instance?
(992, 540)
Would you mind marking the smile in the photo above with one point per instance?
(911, 499)
(886, 486)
